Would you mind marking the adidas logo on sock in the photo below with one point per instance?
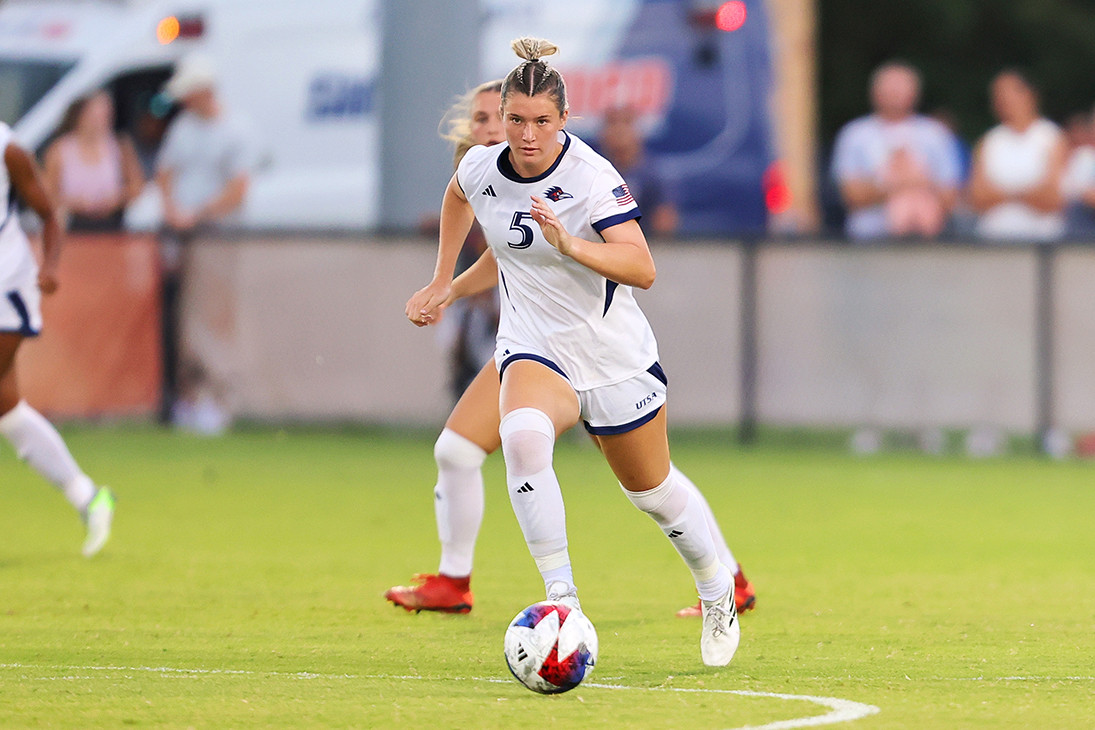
(525, 488)
(674, 533)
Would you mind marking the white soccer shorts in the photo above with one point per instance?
(611, 409)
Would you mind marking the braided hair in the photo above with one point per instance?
(533, 76)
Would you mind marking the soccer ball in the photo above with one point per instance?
(550, 647)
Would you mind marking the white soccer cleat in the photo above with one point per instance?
(99, 516)
(564, 593)
(721, 632)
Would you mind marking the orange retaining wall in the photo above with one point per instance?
(99, 351)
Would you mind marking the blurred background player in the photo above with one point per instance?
(471, 431)
(91, 172)
(472, 323)
(35, 440)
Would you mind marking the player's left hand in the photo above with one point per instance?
(47, 281)
(552, 229)
(426, 305)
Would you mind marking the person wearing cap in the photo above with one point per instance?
(203, 167)
(202, 172)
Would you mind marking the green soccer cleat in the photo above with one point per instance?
(99, 516)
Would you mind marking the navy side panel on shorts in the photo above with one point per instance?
(613, 430)
(20, 307)
(529, 356)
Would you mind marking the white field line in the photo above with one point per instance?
(839, 710)
(1033, 678)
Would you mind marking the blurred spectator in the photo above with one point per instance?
(898, 171)
(203, 167)
(202, 172)
(622, 144)
(1017, 167)
(470, 325)
(1078, 185)
(92, 172)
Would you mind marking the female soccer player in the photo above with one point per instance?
(23, 283)
(471, 432)
(572, 342)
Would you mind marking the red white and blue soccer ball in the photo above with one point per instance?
(550, 647)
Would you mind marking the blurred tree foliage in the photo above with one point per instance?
(958, 45)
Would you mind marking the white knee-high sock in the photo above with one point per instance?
(726, 557)
(37, 442)
(680, 515)
(528, 440)
(458, 501)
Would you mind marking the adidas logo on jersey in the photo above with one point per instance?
(525, 488)
(489, 191)
(674, 533)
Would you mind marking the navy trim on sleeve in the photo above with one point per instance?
(615, 220)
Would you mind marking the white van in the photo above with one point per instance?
(301, 73)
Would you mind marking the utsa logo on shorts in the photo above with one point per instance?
(556, 193)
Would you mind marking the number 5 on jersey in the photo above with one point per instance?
(524, 229)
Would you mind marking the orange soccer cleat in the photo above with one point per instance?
(434, 592)
(745, 597)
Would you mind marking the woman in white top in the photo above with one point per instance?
(572, 343)
(22, 284)
(1017, 168)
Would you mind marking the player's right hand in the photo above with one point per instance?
(47, 281)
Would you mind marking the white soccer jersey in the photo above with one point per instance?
(16, 260)
(552, 306)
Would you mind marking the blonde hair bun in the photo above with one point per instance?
(533, 49)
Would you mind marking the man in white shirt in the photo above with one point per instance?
(897, 170)
(202, 172)
(203, 167)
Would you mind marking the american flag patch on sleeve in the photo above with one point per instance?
(623, 195)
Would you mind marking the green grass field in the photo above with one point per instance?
(243, 588)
